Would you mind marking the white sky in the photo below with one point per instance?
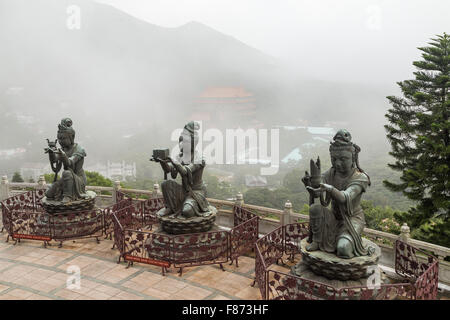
(342, 40)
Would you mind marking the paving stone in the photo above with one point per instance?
(5, 264)
(191, 293)
(249, 293)
(233, 283)
(67, 294)
(3, 288)
(245, 265)
(98, 295)
(20, 294)
(117, 274)
(37, 297)
(208, 276)
(147, 278)
(220, 297)
(47, 285)
(156, 293)
(45, 270)
(127, 296)
(169, 285)
(107, 289)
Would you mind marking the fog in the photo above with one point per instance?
(359, 41)
(128, 72)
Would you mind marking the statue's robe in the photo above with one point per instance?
(344, 220)
(74, 176)
(192, 191)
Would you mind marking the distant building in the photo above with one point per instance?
(231, 105)
(255, 181)
(114, 170)
(309, 138)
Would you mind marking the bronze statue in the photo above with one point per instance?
(70, 156)
(186, 208)
(189, 198)
(338, 230)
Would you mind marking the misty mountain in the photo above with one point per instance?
(114, 61)
(119, 76)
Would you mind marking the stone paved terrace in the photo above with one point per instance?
(29, 271)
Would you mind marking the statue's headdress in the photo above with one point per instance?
(342, 140)
(192, 127)
(65, 127)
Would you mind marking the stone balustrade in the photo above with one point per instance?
(270, 219)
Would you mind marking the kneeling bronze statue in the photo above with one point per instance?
(69, 192)
(335, 249)
(338, 229)
(186, 208)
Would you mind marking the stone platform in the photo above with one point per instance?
(157, 247)
(332, 267)
(181, 225)
(303, 271)
(55, 207)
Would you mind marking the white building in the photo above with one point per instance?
(114, 170)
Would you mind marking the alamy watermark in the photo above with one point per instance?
(73, 21)
(73, 281)
(231, 146)
(375, 19)
(374, 280)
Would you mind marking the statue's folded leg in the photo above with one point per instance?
(190, 208)
(68, 186)
(323, 227)
(345, 247)
(173, 194)
(55, 190)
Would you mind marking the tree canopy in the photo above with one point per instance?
(418, 131)
(17, 177)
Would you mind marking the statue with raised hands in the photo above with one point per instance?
(338, 229)
(70, 157)
(186, 208)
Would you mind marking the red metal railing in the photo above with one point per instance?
(421, 277)
(260, 273)
(143, 209)
(215, 247)
(423, 273)
(76, 225)
(200, 249)
(25, 218)
(283, 286)
(244, 234)
(293, 234)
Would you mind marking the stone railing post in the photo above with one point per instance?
(4, 188)
(239, 200)
(404, 233)
(156, 191)
(116, 187)
(41, 184)
(287, 213)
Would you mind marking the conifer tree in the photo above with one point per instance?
(418, 131)
(17, 177)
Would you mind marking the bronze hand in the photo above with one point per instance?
(63, 157)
